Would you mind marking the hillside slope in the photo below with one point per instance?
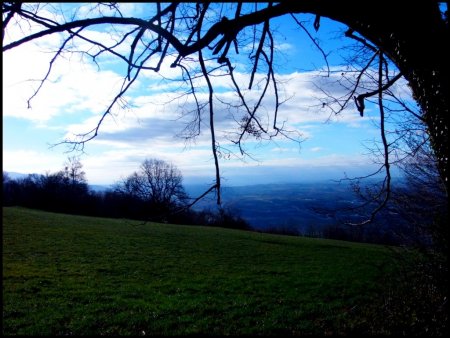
(78, 275)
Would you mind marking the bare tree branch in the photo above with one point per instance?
(55, 56)
(386, 187)
(211, 124)
(182, 30)
(258, 52)
(314, 41)
(10, 9)
(359, 100)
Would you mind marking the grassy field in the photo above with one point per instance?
(66, 275)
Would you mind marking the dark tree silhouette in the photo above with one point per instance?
(73, 171)
(158, 184)
(188, 35)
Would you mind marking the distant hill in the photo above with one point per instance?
(14, 175)
(99, 187)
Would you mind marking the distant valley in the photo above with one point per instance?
(298, 206)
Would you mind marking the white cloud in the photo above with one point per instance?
(94, 10)
(157, 113)
(72, 86)
(284, 150)
(30, 162)
(111, 165)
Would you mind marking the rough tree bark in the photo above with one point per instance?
(414, 37)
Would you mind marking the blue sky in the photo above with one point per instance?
(78, 93)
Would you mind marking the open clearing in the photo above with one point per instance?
(65, 274)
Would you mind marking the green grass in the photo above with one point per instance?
(66, 274)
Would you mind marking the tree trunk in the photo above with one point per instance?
(415, 37)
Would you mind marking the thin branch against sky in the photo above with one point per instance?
(79, 93)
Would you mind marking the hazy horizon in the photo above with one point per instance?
(258, 176)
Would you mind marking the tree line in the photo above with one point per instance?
(152, 193)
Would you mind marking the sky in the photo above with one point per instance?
(331, 147)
